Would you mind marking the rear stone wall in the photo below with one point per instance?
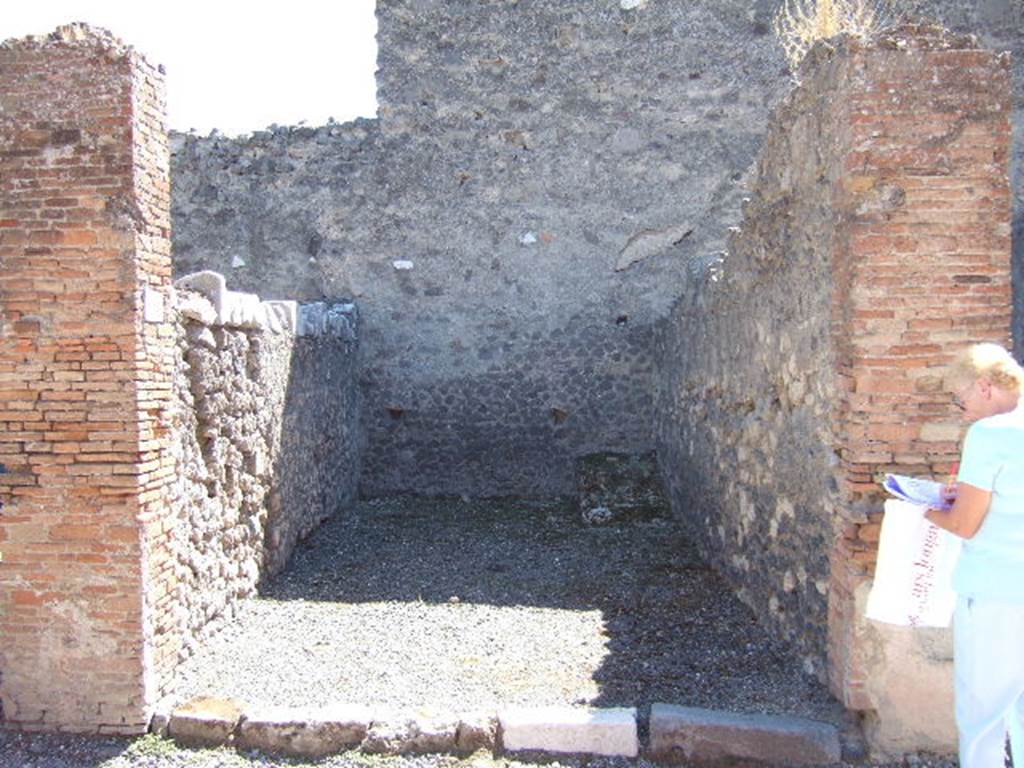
(512, 225)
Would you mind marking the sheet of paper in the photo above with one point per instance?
(916, 490)
(913, 584)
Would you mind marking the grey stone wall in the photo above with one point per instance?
(516, 221)
(548, 169)
(267, 448)
(745, 386)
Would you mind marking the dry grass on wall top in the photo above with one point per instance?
(799, 24)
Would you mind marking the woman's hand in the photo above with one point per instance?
(967, 514)
(949, 494)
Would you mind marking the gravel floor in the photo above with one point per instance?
(454, 606)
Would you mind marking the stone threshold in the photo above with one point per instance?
(676, 734)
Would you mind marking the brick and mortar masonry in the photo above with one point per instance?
(921, 269)
(810, 361)
(139, 633)
(86, 384)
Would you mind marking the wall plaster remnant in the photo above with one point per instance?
(650, 243)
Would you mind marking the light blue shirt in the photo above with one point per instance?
(991, 564)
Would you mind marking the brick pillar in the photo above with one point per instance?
(922, 268)
(85, 380)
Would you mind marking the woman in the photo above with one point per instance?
(988, 513)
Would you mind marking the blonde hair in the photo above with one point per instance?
(992, 362)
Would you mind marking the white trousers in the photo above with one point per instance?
(989, 669)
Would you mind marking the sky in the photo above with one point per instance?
(236, 67)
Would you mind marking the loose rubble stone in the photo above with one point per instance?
(572, 730)
(648, 243)
(242, 310)
(303, 731)
(613, 487)
(597, 516)
(159, 723)
(197, 308)
(321, 319)
(282, 316)
(205, 722)
(210, 284)
(707, 736)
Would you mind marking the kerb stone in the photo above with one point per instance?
(475, 732)
(303, 731)
(710, 737)
(160, 722)
(204, 722)
(417, 734)
(570, 730)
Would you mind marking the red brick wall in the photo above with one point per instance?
(155, 382)
(922, 268)
(85, 383)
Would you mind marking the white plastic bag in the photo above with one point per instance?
(914, 576)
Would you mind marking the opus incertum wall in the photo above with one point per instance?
(520, 216)
(267, 441)
(512, 226)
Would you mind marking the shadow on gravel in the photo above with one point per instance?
(51, 750)
(672, 630)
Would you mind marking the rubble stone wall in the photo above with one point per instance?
(511, 226)
(267, 439)
(745, 384)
